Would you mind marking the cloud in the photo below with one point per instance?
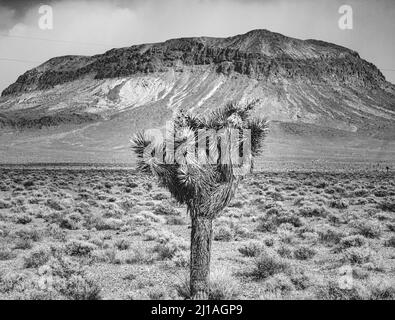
(90, 27)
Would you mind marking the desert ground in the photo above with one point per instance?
(91, 233)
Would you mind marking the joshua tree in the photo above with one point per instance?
(201, 163)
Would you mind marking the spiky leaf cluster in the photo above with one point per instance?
(203, 178)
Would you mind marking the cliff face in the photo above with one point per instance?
(258, 54)
(90, 105)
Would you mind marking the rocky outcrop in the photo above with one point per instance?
(259, 54)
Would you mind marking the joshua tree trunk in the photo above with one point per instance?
(201, 237)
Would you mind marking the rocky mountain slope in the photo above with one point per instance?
(88, 107)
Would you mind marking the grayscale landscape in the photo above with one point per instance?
(79, 221)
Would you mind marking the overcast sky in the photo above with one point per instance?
(91, 27)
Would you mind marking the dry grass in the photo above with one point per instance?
(92, 234)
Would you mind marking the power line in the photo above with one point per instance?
(59, 41)
(19, 60)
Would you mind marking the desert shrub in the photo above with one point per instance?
(4, 230)
(313, 210)
(299, 201)
(68, 223)
(222, 287)
(127, 204)
(139, 255)
(275, 195)
(390, 242)
(355, 255)
(242, 232)
(387, 205)
(23, 244)
(382, 290)
(321, 184)
(279, 283)
(37, 258)
(286, 226)
(122, 244)
(352, 241)
(360, 193)
(103, 255)
(72, 281)
(19, 201)
(153, 234)
(166, 209)
(251, 249)
(108, 185)
(285, 251)
(268, 241)
(292, 219)
(130, 277)
(83, 208)
(160, 236)
(360, 273)
(55, 205)
(223, 233)
(56, 232)
(333, 291)
(131, 184)
(369, 229)
(6, 254)
(310, 236)
(330, 190)
(174, 220)
(110, 255)
(5, 204)
(359, 201)
(112, 210)
(382, 216)
(268, 264)
(23, 219)
(112, 224)
(160, 196)
(304, 253)
(151, 217)
(28, 183)
(52, 216)
(274, 211)
(29, 234)
(286, 235)
(96, 221)
(39, 289)
(168, 249)
(334, 218)
(330, 235)
(183, 288)
(338, 204)
(299, 278)
(4, 187)
(158, 293)
(380, 193)
(236, 204)
(11, 281)
(181, 259)
(266, 224)
(79, 248)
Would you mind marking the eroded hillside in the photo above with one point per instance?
(91, 105)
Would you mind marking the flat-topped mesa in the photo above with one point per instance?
(259, 54)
